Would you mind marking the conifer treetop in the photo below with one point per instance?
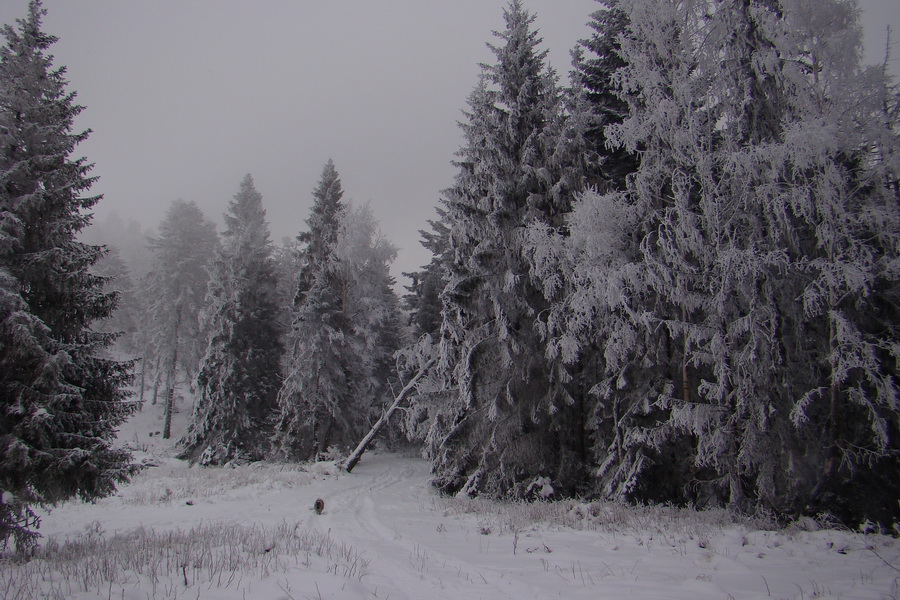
(519, 60)
(324, 219)
(245, 221)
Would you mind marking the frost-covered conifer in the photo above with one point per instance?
(315, 372)
(840, 215)
(696, 76)
(617, 366)
(501, 427)
(345, 327)
(324, 227)
(61, 399)
(363, 257)
(584, 160)
(746, 293)
(239, 376)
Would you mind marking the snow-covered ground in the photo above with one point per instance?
(250, 532)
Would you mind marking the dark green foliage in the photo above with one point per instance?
(345, 329)
(61, 398)
(503, 424)
(596, 72)
(239, 376)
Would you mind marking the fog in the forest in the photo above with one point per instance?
(185, 99)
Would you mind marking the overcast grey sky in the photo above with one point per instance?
(186, 97)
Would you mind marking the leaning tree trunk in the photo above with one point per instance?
(357, 454)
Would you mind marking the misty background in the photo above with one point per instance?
(185, 98)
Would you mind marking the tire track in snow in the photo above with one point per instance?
(362, 518)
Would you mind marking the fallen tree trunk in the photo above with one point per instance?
(361, 447)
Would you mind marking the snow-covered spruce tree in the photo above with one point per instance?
(635, 287)
(239, 376)
(499, 427)
(575, 268)
(793, 214)
(176, 288)
(701, 110)
(32, 381)
(618, 367)
(315, 372)
(363, 257)
(61, 399)
(345, 327)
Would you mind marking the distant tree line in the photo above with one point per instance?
(287, 352)
(674, 280)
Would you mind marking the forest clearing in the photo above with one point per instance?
(230, 533)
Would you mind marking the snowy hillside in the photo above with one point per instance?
(250, 532)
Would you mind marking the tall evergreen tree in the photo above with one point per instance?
(840, 213)
(363, 257)
(239, 376)
(315, 387)
(345, 329)
(61, 399)
(584, 161)
(754, 215)
(176, 285)
(502, 428)
(710, 259)
(324, 228)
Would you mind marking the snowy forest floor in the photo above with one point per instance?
(250, 533)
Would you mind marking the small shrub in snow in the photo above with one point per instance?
(540, 488)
